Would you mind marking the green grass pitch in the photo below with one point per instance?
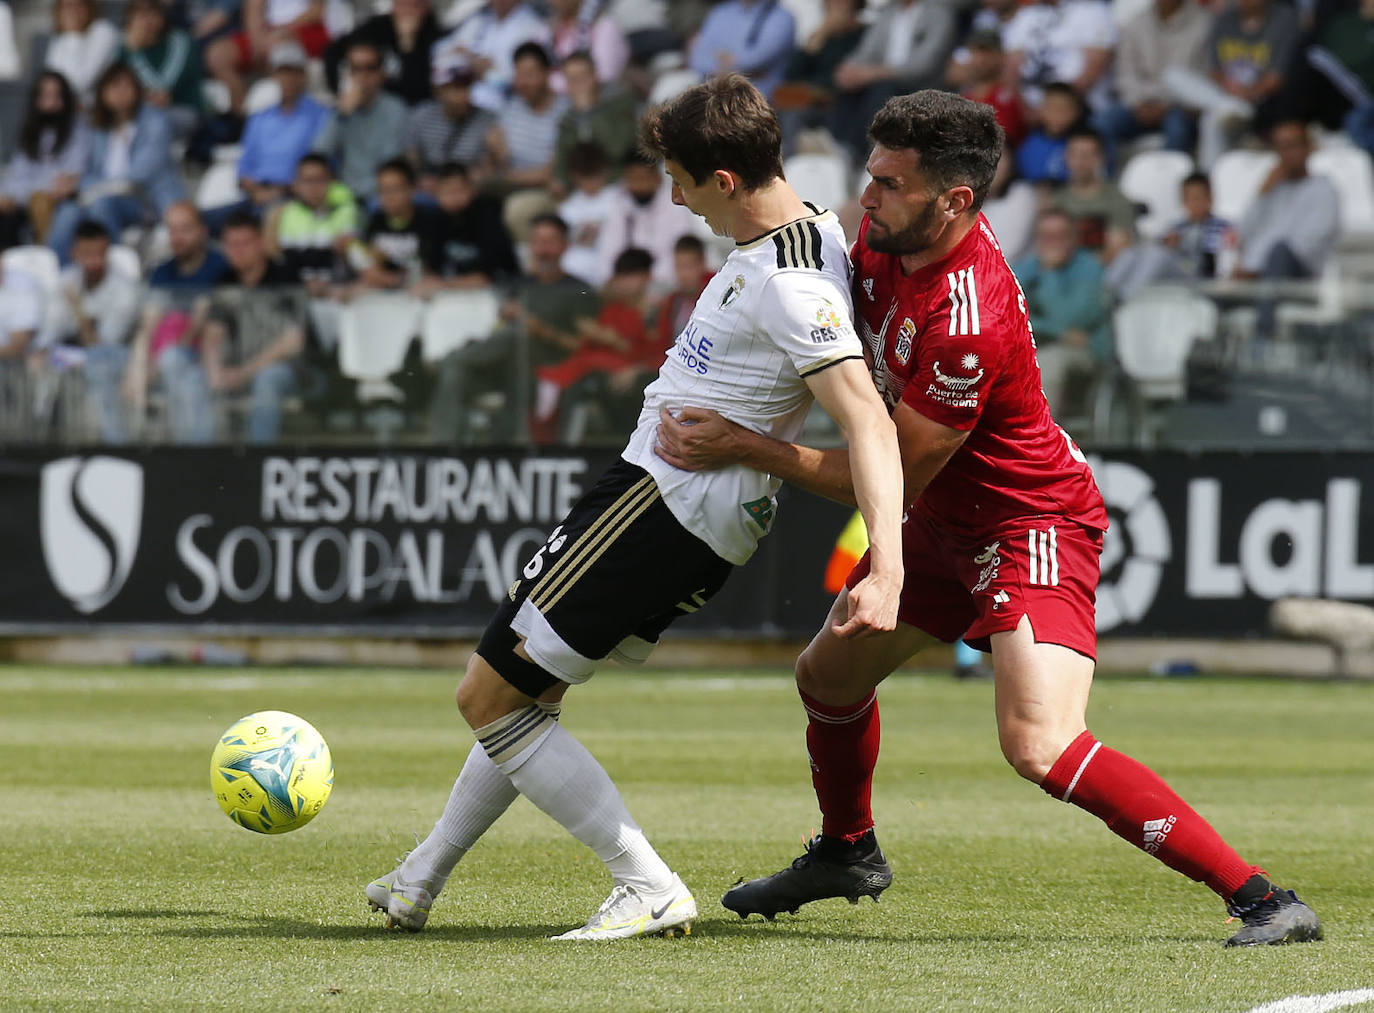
(122, 886)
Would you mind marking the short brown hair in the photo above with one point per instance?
(958, 141)
(723, 123)
(102, 116)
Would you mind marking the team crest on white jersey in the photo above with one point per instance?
(736, 287)
(905, 335)
(868, 288)
(829, 325)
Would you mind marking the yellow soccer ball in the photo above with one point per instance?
(271, 772)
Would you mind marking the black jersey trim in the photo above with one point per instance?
(799, 245)
(826, 365)
(819, 215)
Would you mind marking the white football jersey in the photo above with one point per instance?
(776, 312)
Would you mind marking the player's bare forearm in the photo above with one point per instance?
(826, 473)
(846, 391)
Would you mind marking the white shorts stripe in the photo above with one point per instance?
(1034, 559)
(1081, 767)
(1054, 557)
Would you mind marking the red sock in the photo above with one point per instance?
(843, 745)
(1138, 806)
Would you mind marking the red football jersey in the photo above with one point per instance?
(953, 340)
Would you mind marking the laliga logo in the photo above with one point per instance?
(90, 515)
(1137, 545)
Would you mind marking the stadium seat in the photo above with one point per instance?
(1349, 168)
(672, 84)
(374, 332)
(40, 264)
(453, 319)
(219, 186)
(807, 14)
(1125, 11)
(1236, 180)
(215, 95)
(1154, 333)
(1153, 178)
(124, 262)
(1327, 310)
(821, 179)
(264, 94)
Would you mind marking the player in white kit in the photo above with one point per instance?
(771, 333)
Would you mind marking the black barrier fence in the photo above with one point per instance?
(425, 543)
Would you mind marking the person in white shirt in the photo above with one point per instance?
(904, 49)
(1291, 229)
(580, 27)
(586, 210)
(21, 316)
(82, 45)
(649, 541)
(93, 321)
(1061, 40)
(642, 214)
(488, 41)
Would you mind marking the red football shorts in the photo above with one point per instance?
(970, 587)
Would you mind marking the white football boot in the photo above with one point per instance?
(405, 906)
(627, 913)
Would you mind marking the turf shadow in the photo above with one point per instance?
(798, 929)
(154, 913)
(265, 926)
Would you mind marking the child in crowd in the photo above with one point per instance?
(1205, 245)
(586, 209)
(611, 364)
(1040, 158)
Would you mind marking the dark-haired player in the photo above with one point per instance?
(649, 542)
(1001, 539)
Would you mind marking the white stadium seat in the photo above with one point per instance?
(1155, 331)
(264, 94)
(821, 179)
(672, 84)
(374, 332)
(453, 319)
(125, 263)
(219, 186)
(807, 14)
(1236, 181)
(1349, 168)
(40, 264)
(1153, 178)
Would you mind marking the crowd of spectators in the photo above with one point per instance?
(490, 147)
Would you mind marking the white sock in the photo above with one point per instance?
(479, 796)
(559, 775)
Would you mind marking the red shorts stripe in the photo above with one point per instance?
(970, 587)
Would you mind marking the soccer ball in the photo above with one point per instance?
(271, 772)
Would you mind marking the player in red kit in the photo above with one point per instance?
(1000, 543)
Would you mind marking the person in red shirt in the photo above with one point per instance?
(691, 276)
(1000, 542)
(615, 356)
(984, 80)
